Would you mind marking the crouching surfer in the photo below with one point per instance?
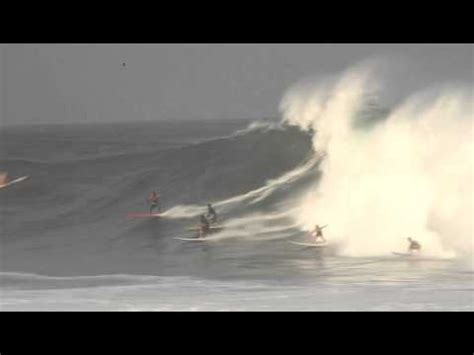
(414, 246)
(317, 233)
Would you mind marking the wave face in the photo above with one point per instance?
(374, 176)
(70, 217)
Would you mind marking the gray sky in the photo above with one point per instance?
(66, 83)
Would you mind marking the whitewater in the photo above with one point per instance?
(375, 175)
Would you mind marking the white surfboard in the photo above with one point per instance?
(308, 244)
(194, 239)
(14, 181)
(403, 254)
(211, 227)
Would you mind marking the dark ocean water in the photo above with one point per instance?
(65, 236)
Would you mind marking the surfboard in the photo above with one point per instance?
(307, 244)
(212, 228)
(14, 181)
(403, 254)
(143, 215)
(194, 239)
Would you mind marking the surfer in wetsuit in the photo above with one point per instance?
(153, 199)
(318, 232)
(414, 246)
(211, 214)
(204, 226)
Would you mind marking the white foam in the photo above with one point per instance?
(408, 176)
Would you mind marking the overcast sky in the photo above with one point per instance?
(67, 83)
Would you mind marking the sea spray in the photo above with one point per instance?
(409, 175)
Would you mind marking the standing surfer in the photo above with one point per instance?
(318, 233)
(153, 200)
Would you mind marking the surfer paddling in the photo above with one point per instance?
(153, 200)
(414, 246)
(318, 233)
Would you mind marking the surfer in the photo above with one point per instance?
(3, 178)
(414, 246)
(204, 227)
(211, 214)
(318, 232)
(153, 199)
(6, 181)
